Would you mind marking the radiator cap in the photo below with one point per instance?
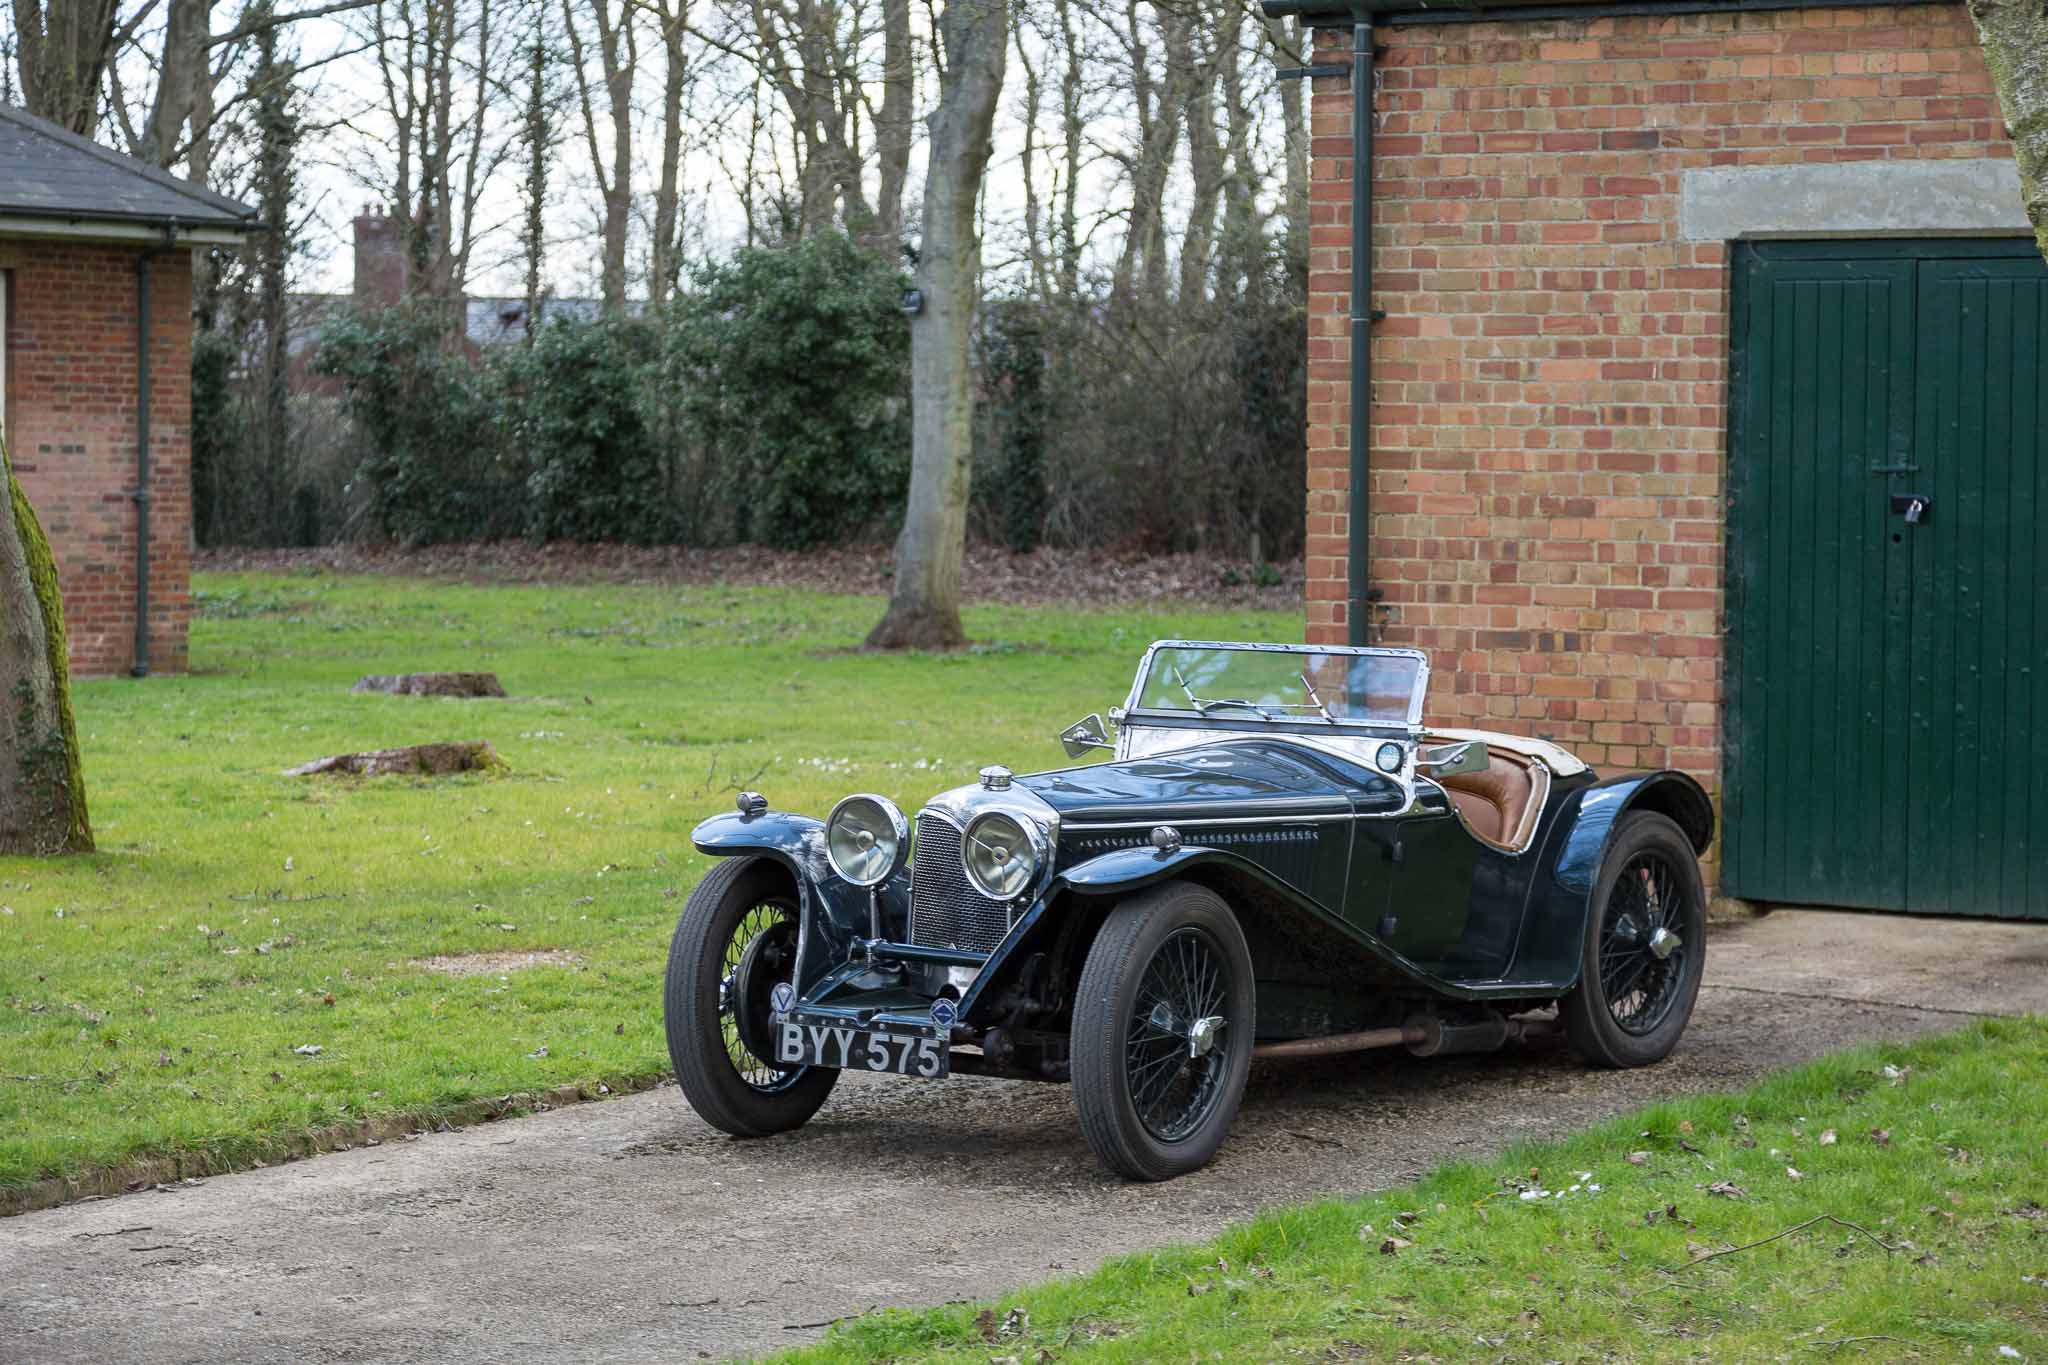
(996, 777)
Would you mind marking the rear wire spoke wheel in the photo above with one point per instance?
(735, 941)
(1164, 1022)
(1645, 947)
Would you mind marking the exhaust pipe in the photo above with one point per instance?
(1423, 1035)
(1406, 1035)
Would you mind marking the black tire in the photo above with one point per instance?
(741, 903)
(1166, 927)
(1630, 1005)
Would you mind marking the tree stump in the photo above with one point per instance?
(432, 684)
(432, 760)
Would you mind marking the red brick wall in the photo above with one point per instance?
(1549, 385)
(71, 373)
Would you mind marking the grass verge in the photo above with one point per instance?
(159, 999)
(1887, 1203)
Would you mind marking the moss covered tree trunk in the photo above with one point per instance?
(2015, 38)
(42, 791)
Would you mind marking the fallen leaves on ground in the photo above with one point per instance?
(989, 575)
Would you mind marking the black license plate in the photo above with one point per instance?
(857, 1049)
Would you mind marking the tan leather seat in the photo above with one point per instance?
(1502, 804)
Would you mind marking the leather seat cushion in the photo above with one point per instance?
(1496, 803)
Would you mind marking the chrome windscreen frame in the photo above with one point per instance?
(1412, 726)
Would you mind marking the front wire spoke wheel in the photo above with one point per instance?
(766, 933)
(1175, 1072)
(1164, 1021)
(734, 943)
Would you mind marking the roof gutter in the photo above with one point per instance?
(143, 278)
(1328, 13)
(1359, 595)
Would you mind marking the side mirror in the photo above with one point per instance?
(1085, 734)
(1454, 760)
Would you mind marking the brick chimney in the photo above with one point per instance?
(380, 262)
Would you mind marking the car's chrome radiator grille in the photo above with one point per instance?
(945, 909)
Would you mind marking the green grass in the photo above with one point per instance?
(152, 995)
(1948, 1163)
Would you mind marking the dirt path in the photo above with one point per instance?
(628, 1231)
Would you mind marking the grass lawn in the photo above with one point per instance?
(154, 997)
(1651, 1243)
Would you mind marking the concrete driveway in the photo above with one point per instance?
(627, 1230)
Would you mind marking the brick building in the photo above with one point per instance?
(1685, 304)
(96, 379)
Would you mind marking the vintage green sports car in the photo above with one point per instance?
(1280, 860)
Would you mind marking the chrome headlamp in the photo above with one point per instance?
(1002, 855)
(866, 839)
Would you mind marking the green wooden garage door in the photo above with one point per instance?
(1885, 745)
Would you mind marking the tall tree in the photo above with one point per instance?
(537, 144)
(618, 51)
(276, 185)
(2015, 38)
(665, 258)
(924, 600)
(441, 73)
(64, 47)
(42, 789)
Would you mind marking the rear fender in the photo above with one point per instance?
(1553, 939)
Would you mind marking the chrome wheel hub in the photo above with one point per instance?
(1202, 1035)
(1664, 943)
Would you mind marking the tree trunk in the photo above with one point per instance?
(64, 50)
(665, 255)
(1294, 141)
(2015, 38)
(892, 125)
(42, 791)
(924, 602)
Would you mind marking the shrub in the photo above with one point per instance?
(788, 368)
(432, 471)
(572, 413)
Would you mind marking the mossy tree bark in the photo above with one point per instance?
(2015, 38)
(42, 790)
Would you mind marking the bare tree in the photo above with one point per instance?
(1286, 50)
(438, 64)
(537, 136)
(1073, 124)
(924, 600)
(618, 49)
(1158, 104)
(64, 47)
(666, 257)
(893, 125)
(2015, 38)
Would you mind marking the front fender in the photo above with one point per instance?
(793, 839)
(1552, 945)
(1131, 869)
(832, 913)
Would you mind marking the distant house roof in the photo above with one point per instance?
(56, 183)
(495, 321)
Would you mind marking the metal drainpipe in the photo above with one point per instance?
(141, 494)
(1359, 551)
